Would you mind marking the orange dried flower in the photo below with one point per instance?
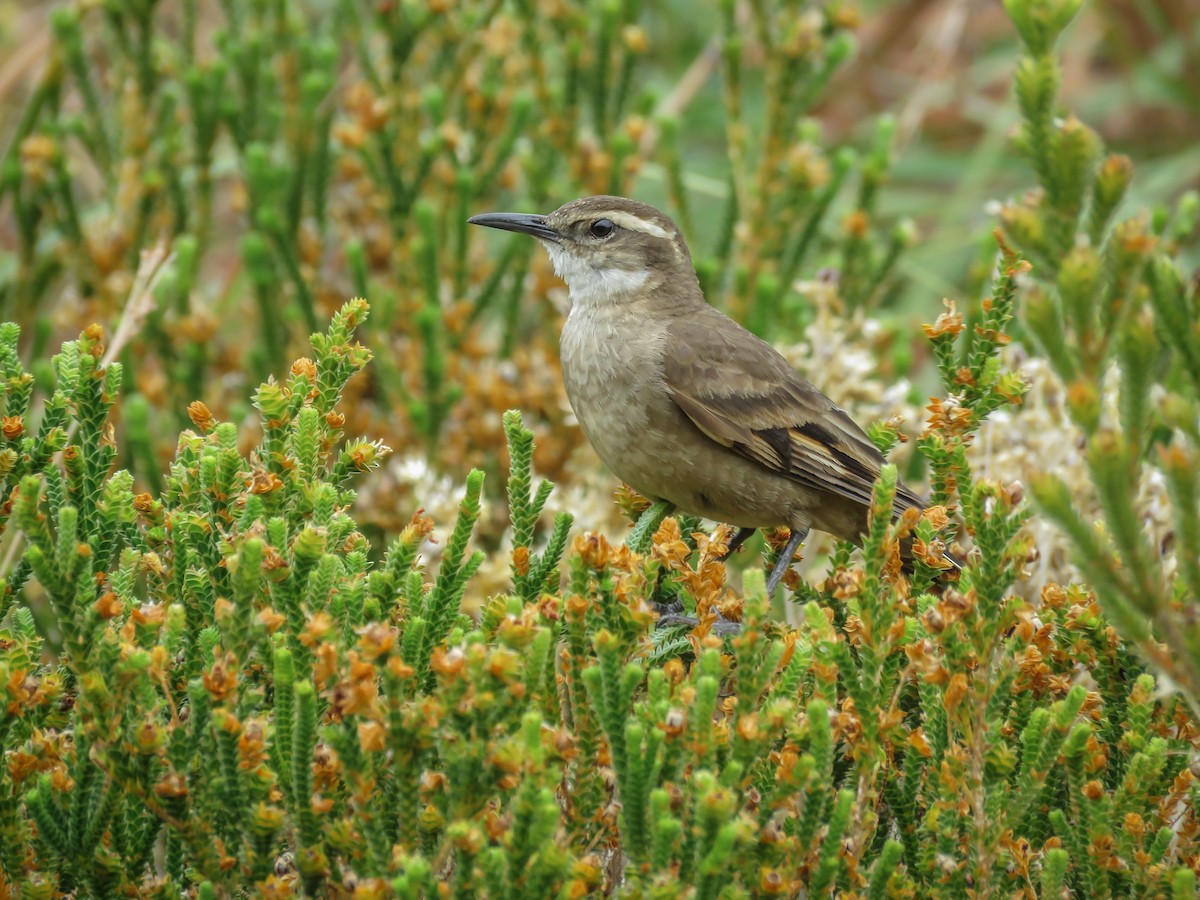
(95, 334)
(937, 517)
(675, 672)
(109, 606)
(265, 482)
(350, 135)
(675, 722)
(149, 614)
(772, 881)
(20, 688)
(956, 691)
(221, 680)
(419, 528)
(747, 727)
(948, 323)
(856, 224)
(201, 416)
(359, 692)
(223, 609)
(400, 669)
(447, 662)
(252, 746)
(318, 625)
(376, 640)
(593, 549)
(171, 785)
(305, 367)
(520, 560)
(372, 737)
(270, 619)
(920, 743)
(38, 152)
(326, 664)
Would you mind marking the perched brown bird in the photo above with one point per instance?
(683, 403)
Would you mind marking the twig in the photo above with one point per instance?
(33, 49)
(938, 47)
(151, 265)
(140, 304)
(682, 94)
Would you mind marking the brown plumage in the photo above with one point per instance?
(683, 403)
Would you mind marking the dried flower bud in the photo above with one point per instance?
(1134, 825)
(675, 723)
(109, 606)
(372, 737)
(171, 785)
(39, 153)
(956, 691)
(856, 224)
(447, 662)
(948, 323)
(221, 680)
(201, 417)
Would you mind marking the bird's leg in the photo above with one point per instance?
(743, 535)
(785, 560)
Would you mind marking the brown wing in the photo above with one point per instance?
(741, 393)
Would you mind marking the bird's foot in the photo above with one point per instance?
(666, 608)
(735, 543)
(723, 627)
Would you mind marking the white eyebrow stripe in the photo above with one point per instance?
(636, 223)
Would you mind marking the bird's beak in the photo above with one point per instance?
(524, 223)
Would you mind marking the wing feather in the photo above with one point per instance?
(742, 394)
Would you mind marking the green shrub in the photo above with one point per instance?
(214, 684)
(283, 156)
(239, 685)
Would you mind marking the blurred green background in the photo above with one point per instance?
(210, 179)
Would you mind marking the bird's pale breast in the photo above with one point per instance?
(613, 374)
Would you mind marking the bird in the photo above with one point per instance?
(681, 402)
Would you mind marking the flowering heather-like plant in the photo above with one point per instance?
(213, 685)
(283, 156)
(1110, 294)
(235, 681)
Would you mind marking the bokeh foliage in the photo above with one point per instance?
(241, 688)
(214, 683)
(284, 156)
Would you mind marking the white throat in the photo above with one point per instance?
(590, 286)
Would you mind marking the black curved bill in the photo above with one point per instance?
(525, 223)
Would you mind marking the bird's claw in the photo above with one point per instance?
(669, 608)
(723, 627)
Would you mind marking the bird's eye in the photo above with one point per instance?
(602, 228)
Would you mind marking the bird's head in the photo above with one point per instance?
(608, 249)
